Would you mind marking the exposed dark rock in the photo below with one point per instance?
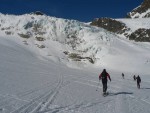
(25, 42)
(37, 13)
(147, 15)
(24, 35)
(66, 52)
(140, 35)
(110, 24)
(39, 38)
(77, 57)
(28, 25)
(8, 32)
(6, 28)
(141, 9)
(40, 46)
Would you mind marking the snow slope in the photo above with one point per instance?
(75, 38)
(35, 80)
(135, 24)
(32, 85)
(69, 35)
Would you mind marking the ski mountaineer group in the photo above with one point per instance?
(138, 80)
(104, 76)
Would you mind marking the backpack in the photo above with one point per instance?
(104, 76)
(138, 79)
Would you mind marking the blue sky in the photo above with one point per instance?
(82, 10)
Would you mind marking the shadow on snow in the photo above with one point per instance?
(120, 93)
(144, 88)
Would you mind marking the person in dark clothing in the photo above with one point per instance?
(138, 81)
(134, 78)
(104, 76)
(122, 75)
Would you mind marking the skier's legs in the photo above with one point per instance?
(138, 85)
(104, 87)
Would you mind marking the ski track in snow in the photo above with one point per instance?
(35, 80)
(118, 88)
(41, 102)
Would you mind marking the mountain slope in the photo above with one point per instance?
(43, 32)
(132, 29)
(74, 43)
(30, 84)
(142, 11)
(136, 27)
(35, 78)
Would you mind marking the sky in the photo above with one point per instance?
(82, 10)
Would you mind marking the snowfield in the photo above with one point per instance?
(35, 80)
(136, 23)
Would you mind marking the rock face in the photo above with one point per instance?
(37, 13)
(135, 27)
(141, 35)
(142, 11)
(110, 24)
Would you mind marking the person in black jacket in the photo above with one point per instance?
(104, 76)
(138, 81)
(123, 75)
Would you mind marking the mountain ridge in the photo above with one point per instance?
(142, 11)
(73, 38)
(135, 27)
(73, 43)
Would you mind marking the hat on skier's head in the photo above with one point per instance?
(104, 70)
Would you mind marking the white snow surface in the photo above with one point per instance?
(136, 23)
(35, 80)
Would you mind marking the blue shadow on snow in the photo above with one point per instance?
(120, 93)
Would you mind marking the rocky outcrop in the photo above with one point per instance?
(110, 24)
(119, 27)
(141, 35)
(143, 11)
(37, 13)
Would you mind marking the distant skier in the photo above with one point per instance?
(122, 75)
(134, 78)
(104, 76)
(138, 81)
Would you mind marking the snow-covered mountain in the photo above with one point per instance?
(136, 27)
(54, 37)
(142, 11)
(37, 52)
(71, 42)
